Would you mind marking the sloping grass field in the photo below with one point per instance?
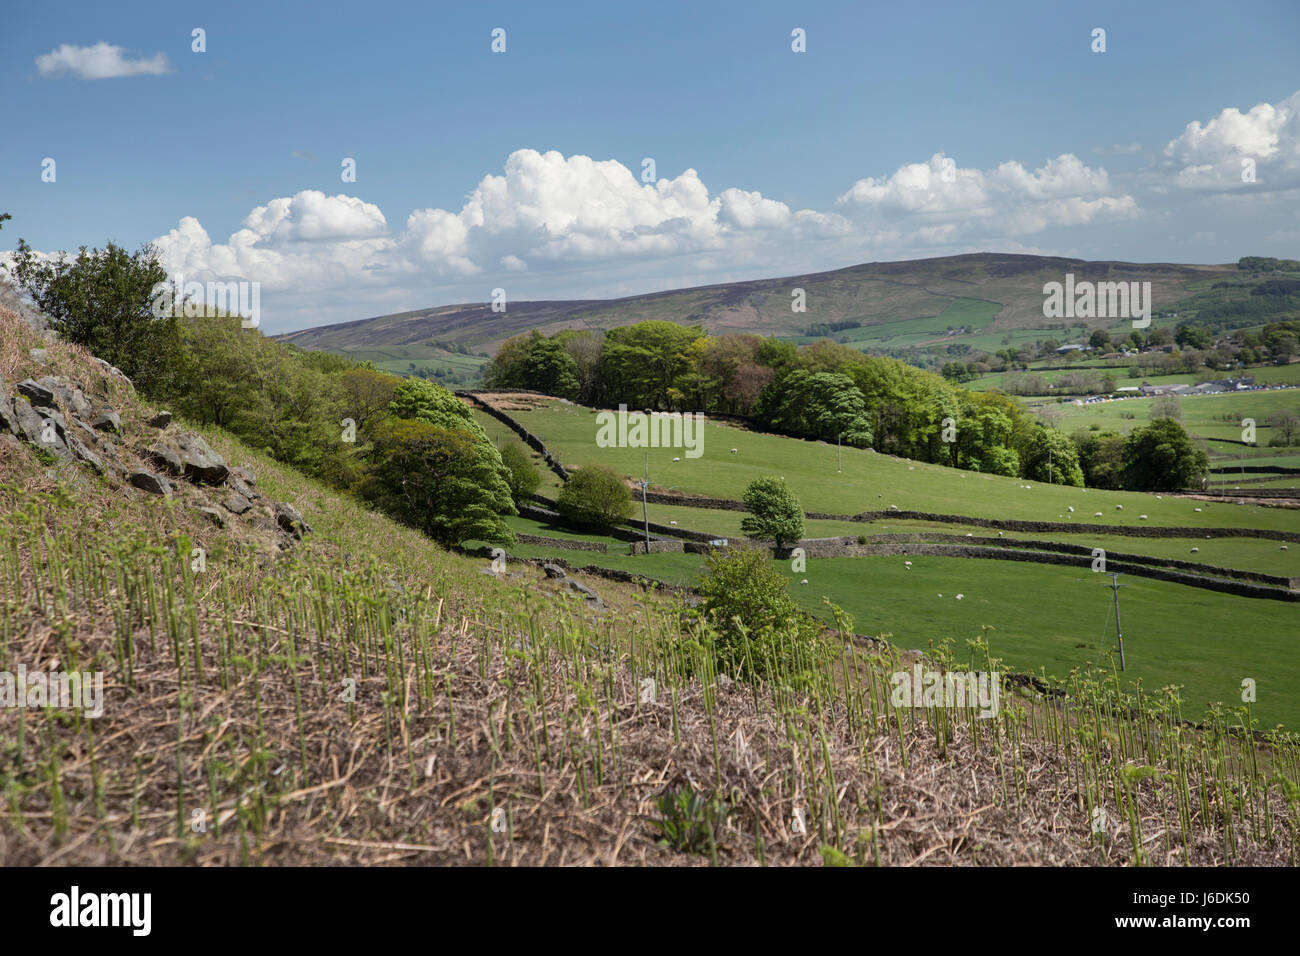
(1046, 619)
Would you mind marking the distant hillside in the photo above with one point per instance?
(985, 300)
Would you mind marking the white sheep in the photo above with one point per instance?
(960, 596)
(1198, 509)
(804, 581)
(733, 451)
(1097, 515)
(1119, 507)
(676, 459)
(1142, 517)
(1070, 509)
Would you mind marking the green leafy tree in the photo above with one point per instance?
(1166, 406)
(825, 405)
(774, 512)
(641, 363)
(103, 299)
(1163, 457)
(594, 495)
(521, 476)
(271, 396)
(437, 480)
(551, 369)
(1051, 456)
(1101, 456)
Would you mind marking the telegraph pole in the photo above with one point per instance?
(645, 511)
(1115, 586)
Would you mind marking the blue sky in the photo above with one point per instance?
(523, 169)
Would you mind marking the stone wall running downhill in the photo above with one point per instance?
(531, 440)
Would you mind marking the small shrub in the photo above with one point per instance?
(774, 512)
(757, 629)
(690, 823)
(594, 495)
(521, 476)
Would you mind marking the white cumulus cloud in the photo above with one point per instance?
(1210, 156)
(102, 61)
(941, 200)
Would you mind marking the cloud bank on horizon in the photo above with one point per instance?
(552, 222)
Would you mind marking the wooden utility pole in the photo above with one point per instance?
(645, 511)
(1115, 586)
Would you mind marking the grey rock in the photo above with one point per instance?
(237, 486)
(70, 397)
(585, 591)
(40, 356)
(165, 457)
(107, 420)
(488, 571)
(237, 504)
(82, 453)
(213, 515)
(36, 393)
(43, 431)
(291, 520)
(244, 475)
(8, 420)
(161, 420)
(154, 484)
(554, 571)
(200, 462)
(50, 335)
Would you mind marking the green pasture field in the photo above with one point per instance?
(871, 481)
(1058, 618)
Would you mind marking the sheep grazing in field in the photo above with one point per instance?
(1195, 550)
(999, 534)
(960, 596)
(1070, 509)
(804, 581)
(1097, 515)
(733, 451)
(1119, 507)
(676, 459)
(1198, 509)
(1142, 517)
(1283, 548)
(672, 522)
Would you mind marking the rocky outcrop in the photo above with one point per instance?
(187, 455)
(59, 418)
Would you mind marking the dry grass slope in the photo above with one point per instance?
(502, 721)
